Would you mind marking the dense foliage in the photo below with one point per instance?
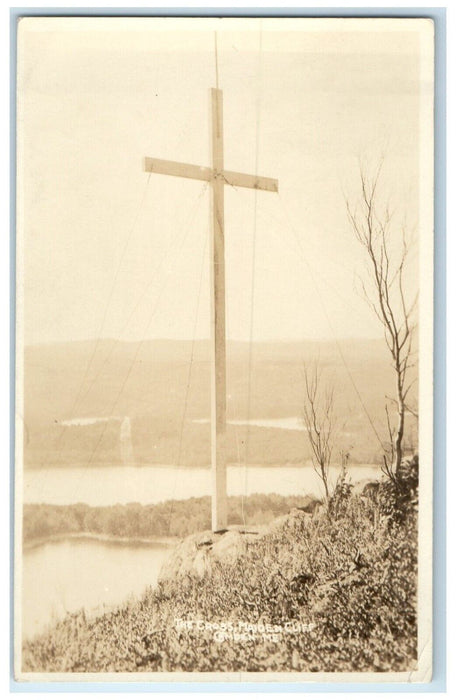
(133, 520)
(350, 572)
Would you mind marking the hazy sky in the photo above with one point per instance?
(111, 251)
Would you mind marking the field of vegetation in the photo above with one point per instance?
(335, 591)
(137, 521)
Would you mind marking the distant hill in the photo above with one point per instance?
(149, 383)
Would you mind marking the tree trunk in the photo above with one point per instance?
(400, 434)
(325, 481)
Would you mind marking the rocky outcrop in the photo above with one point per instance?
(196, 554)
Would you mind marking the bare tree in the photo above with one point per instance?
(387, 248)
(319, 422)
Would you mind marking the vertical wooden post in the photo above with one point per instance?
(218, 178)
(218, 379)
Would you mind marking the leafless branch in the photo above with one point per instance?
(373, 227)
(319, 421)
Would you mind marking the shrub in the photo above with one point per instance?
(353, 576)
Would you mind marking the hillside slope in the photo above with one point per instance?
(152, 384)
(312, 593)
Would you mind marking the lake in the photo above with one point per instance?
(288, 423)
(67, 575)
(102, 486)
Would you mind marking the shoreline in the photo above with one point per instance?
(160, 540)
(205, 467)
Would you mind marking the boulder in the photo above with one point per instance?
(196, 554)
(229, 547)
(187, 557)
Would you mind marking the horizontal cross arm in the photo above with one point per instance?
(197, 172)
(255, 182)
(172, 167)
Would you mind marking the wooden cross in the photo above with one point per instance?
(218, 177)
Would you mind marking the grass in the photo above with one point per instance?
(350, 573)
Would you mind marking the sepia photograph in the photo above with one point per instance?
(224, 349)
